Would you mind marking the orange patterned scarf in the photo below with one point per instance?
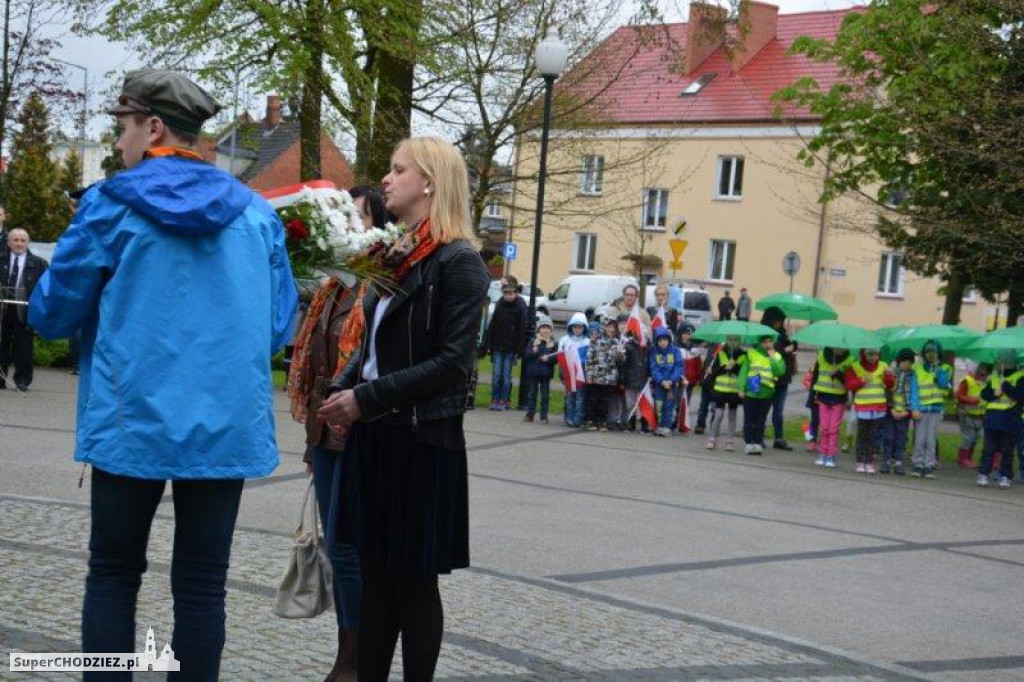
(412, 247)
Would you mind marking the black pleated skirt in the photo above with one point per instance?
(404, 501)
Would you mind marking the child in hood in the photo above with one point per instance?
(539, 359)
(603, 358)
(632, 371)
(933, 381)
(971, 413)
(574, 345)
(665, 366)
(870, 380)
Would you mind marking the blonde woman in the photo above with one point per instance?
(400, 401)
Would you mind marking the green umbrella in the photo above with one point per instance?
(951, 337)
(838, 335)
(988, 347)
(799, 306)
(748, 331)
(886, 332)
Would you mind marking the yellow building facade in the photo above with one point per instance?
(706, 145)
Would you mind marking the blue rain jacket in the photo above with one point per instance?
(178, 278)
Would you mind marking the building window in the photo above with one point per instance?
(970, 295)
(655, 209)
(890, 275)
(584, 251)
(493, 209)
(698, 85)
(730, 177)
(723, 257)
(591, 174)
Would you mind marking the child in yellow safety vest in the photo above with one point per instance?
(933, 381)
(1003, 395)
(757, 379)
(828, 383)
(900, 414)
(971, 413)
(870, 380)
(725, 370)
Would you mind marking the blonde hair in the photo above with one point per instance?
(441, 164)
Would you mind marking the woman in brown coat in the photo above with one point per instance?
(313, 366)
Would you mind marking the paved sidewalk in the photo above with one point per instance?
(497, 624)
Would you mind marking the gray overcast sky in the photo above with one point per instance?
(101, 56)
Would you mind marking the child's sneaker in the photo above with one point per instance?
(591, 427)
(897, 469)
(711, 443)
(495, 406)
(544, 421)
(1004, 482)
(603, 427)
(885, 468)
(820, 462)
(527, 417)
(730, 444)
(917, 472)
(981, 480)
(869, 468)
(929, 472)
(812, 447)
(859, 468)
(830, 462)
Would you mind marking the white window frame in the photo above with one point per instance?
(660, 210)
(729, 255)
(493, 209)
(728, 164)
(591, 252)
(886, 266)
(591, 174)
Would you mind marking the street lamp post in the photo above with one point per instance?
(551, 57)
(85, 108)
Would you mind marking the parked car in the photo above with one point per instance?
(695, 302)
(584, 293)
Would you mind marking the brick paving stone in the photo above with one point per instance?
(496, 627)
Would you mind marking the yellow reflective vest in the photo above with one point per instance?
(873, 390)
(928, 390)
(974, 391)
(726, 383)
(826, 383)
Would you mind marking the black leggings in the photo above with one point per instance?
(393, 603)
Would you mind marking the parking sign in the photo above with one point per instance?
(510, 250)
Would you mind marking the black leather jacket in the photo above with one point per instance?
(425, 342)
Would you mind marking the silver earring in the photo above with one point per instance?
(426, 190)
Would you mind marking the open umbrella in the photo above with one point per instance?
(886, 332)
(799, 306)
(748, 331)
(838, 335)
(988, 347)
(951, 337)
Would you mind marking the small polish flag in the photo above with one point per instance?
(637, 327)
(659, 320)
(572, 368)
(684, 412)
(645, 406)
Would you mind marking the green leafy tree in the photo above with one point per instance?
(929, 109)
(34, 198)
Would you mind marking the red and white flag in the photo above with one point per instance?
(659, 319)
(572, 368)
(645, 406)
(684, 412)
(637, 327)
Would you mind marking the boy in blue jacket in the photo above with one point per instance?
(665, 366)
(933, 382)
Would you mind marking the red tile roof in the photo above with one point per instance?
(648, 86)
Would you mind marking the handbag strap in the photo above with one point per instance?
(314, 518)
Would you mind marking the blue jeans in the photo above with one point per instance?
(535, 387)
(576, 406)
(204, 522)
(894, 437)
(501, 376)
(348, 584)
(666, 399)
(778, 410)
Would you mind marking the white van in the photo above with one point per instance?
(584, 293)
(695, 305)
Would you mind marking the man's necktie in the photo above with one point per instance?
(13, 280)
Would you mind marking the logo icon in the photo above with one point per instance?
(165, 662)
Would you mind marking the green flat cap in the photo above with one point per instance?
(176, 100)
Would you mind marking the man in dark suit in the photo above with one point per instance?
(20, 270)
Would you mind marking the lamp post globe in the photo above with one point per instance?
(551, 55)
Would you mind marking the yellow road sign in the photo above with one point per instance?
(676, 265)
(677, 246)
